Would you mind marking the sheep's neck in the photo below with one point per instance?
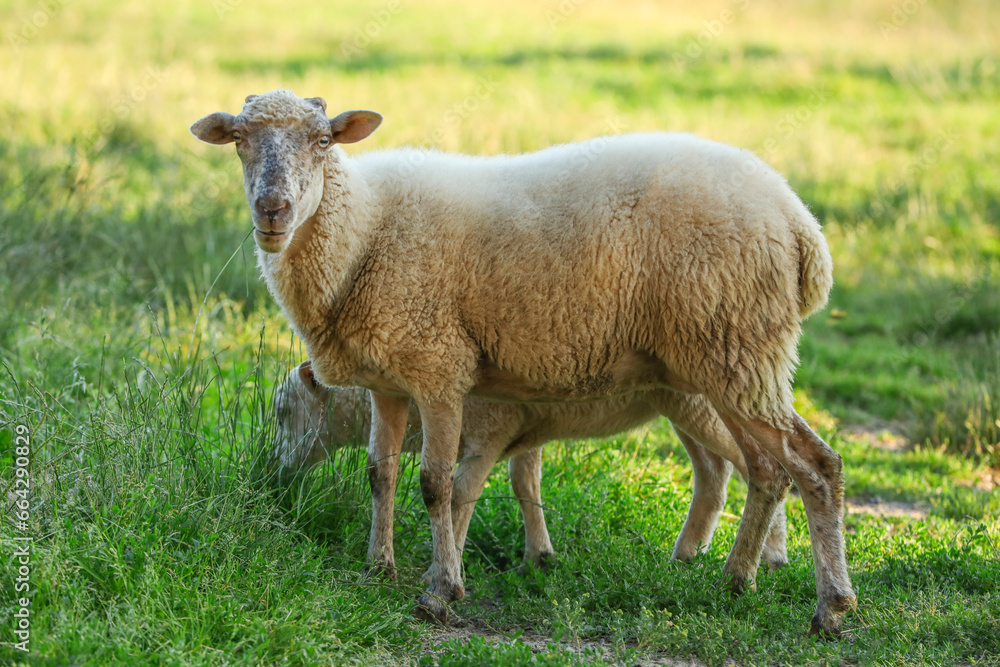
(311, 278)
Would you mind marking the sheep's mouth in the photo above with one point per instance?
(270, 241)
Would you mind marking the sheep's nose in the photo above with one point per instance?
(271, 206)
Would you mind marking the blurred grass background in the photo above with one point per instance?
(882, 116)
(142, 349)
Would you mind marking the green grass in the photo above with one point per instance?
(141, 349)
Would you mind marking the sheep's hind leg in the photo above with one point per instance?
(711, 473)
(767, 484)
(526, 479)
(442, 424)
(817, 472)
(389, 415)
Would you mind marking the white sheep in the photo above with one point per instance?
(313, 421)
(583, 271)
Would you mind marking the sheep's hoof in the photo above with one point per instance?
(385, 571)
(431, 609)
(544, 562)
(830, 633)
(829, 616)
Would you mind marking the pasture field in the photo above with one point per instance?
(140, 352)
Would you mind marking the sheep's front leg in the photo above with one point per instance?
(389, 415)
(442, 424)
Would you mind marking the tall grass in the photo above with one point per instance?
(155, 519)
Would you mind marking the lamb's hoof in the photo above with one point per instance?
(431, 609)
(544, 562)
(775, 565)
(775, 559)
(375, 571)
(737, 586)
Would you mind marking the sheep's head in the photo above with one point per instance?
(283, 141)
(302, 435)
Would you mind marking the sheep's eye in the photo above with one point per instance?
(237, 137)
(323, 142)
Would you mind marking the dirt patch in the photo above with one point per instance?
(987, 480)
(887, 436)
(467, 628)
(877, 507)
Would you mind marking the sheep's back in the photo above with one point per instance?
(556, 265)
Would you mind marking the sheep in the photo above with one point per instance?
(584, 271)
(313, 420)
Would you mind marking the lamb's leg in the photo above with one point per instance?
(526, 479)
(490, 431)
(525, 471)
(442, 424)
(467, 487)
(767, 485)
(389, 414)
(711, 474)
(817, 472)
(775, 552)
(695, 416)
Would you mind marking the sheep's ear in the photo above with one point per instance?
(307, 376)
(352, 126)
(215, 128)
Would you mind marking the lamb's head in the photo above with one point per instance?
(302, 435)
(284, 141)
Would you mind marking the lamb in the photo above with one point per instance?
(580, 272)
(313, 421)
